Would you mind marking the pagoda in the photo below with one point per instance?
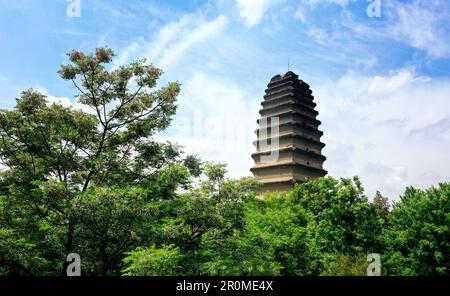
(288, 146)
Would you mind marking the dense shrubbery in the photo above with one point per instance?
(96, 184)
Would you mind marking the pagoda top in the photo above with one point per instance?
(288, 74)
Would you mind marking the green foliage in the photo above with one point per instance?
(110, 222)
(58, 159)
(418, 239)
(271, 243)
(215, 173)
(153, 261)
(19, 256)
(340, 219)
(345, 265)
(194, 164)
(381, 204)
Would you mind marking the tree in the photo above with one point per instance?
(54, 154)
(196, 222)
(418, 239)
(113, 221)
(341, 221)
(381, 204)
(271, 242)
(194, 164)
(215, 173)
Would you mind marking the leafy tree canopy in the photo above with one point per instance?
(418, 239)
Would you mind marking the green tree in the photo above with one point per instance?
(341, 221)
(199, 220)
(54, 154)
(418, 239)
(381, 204)
(111, 221)
(272, 241)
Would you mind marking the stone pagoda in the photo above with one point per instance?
(288, 148)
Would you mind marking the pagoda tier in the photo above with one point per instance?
(288, 146)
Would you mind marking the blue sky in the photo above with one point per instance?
(382, 83)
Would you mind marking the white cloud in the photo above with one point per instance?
(392, 131)
(174, 40)
(391, 84)
(201, 32)
(252, 11)
(125, 54)
(65, 102)
(216, 120)
(423, 26)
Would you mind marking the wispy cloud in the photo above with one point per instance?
(124, 56)
(252, 11)
(174, 40)
(200, 31)
(418, 24)
(121, 12)
(423, 25)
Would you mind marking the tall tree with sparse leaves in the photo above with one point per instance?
(53, 154)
